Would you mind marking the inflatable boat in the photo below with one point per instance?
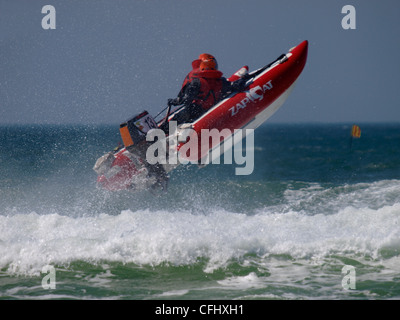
(148, 153)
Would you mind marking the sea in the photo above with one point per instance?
(317, 219)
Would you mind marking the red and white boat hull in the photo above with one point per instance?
(249, 109)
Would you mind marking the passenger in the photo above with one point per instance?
(202, 88)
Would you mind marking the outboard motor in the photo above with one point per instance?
(126, 167)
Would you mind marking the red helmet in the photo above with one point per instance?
(209, 57)
(206, 56)
(208, 65)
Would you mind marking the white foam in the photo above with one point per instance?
(173, 293)
(313, 198)
(30, 241)
(243, 282)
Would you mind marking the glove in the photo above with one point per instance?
(173, 102)
(239, 85)
(247, 77)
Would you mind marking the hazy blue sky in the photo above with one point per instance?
(110, 59)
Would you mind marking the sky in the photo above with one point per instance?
(107, 60)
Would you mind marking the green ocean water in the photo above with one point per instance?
(314, 204)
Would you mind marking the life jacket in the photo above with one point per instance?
(210, 85)
(195, 68)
